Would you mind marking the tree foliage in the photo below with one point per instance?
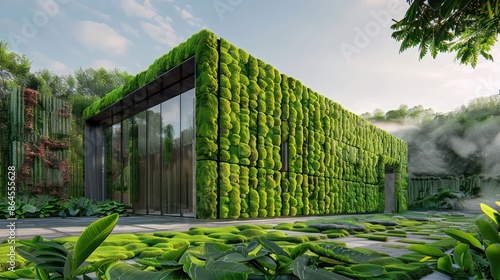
(14, 69)
(468, 28)
(99, 81)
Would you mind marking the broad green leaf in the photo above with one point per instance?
(488, 231)
(463, 257)
(26, 273)
(83, 270)
(56, 254)
(253, 247)
(234, 257)
(267, 262)
(68, 266)
(299, 250)
(23, 251)
(497, 203)
(215, 250)
(466, 238)
(57, 267)
(301, 269)
(347, 271)
(371, 269)
(92, 237)
(490, 212)
(175, 255)
(445, 264)
(344, 254)
(124, 271)
(273, 247)
(219, 270)
(493, 255)
(159, 263)
(426, 250)
(187, 259)
(41, 274)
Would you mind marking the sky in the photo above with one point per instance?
(340, 49)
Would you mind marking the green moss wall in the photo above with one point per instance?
(336, 159)
(246, 110)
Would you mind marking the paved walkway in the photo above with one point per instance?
(58, 227)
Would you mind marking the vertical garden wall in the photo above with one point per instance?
(285, 150)
(266, 145)
(39, 131)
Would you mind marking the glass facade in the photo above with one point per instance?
(149, 158)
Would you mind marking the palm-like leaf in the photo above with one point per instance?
(92, 237)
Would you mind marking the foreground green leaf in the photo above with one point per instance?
(463, 257)
(466, 238)
(426, 250)
(490, 212)
(488, 231)
(219, 270)
(124, 271)
(493, 255)
(445, 264)
(92, 237)
(301, 269)
(25, 273)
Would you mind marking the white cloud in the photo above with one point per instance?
(53, 65)
(105, 63)
(164, 36)
(133, 8)
(129, 29)
(100, 36)
(372, 3)
(187, 15)
(156, 26)
(87, 9)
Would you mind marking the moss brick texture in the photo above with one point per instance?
(245, 110)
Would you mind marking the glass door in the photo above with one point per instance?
(154, 159)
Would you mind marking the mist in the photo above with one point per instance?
(449, 148)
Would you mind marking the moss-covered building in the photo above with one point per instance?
(213, 132)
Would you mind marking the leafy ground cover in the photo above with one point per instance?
(302, 250)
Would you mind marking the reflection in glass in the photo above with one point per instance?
(187, 139)
(149, 159)
(116, 163)
(154, 156)
(171, 156)
(108, 161)
(125, 159)
(140, 205)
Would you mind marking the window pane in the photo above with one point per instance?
(154, 157)
(187, 127)
(171, 155)
(140, 205)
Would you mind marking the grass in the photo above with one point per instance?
(395, 246)
(373, 237)
(411, 241)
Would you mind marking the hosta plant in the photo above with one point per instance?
(472, 257)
